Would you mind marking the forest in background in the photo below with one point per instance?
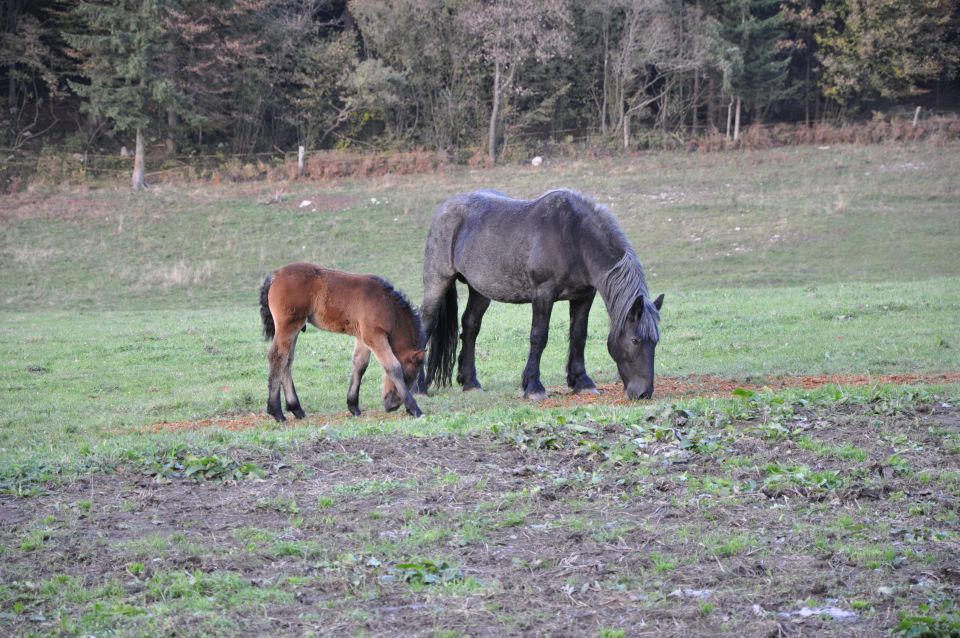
(460, 78)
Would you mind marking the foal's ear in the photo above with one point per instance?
(658, 302)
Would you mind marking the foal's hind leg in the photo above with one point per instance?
(577, 377)
(281, 358)
(477, 304)
(361, 358)
(293, 401)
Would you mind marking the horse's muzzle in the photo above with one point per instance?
(635, 392)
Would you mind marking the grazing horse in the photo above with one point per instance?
(560, 246)
(364, 306)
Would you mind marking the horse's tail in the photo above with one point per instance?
(443, 339)
(268, 328)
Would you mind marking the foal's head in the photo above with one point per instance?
(633, 346)
(407, 344)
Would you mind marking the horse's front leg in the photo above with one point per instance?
(577, 377)
(477, 304)
(539, 331)
(361, 358)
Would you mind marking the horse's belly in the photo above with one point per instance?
(505, 289)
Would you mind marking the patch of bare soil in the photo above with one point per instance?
(713, 386)
(656, 529)
(613, 394)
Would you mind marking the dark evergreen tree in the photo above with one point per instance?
(756, 63)
(121, 51)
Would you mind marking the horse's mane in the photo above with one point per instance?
(625, 281)
(401, 301)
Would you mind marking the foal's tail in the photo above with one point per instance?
(268, 328)
(443, 340)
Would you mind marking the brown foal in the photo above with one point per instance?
(365, 306)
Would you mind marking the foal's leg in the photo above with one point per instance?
(577, 377)
(293, 401)
(539, 330)
(280, 356)
(477, 304)
(392, 368)
(361, 357)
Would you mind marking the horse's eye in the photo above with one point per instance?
(635, 340)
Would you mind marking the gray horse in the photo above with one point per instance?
(561, 246)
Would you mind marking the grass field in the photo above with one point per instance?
(143, 493)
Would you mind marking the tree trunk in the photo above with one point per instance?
(494, 115)
(806, 90)
(137, 181)
(606, 74)
(736, 123)
(626, 131)
(712, 104)
(172, 122)
(694, 120)
(729, 117)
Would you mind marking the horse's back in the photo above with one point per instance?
(505, 247)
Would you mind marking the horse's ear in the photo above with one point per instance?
(419, 356)
(658, 302)
(636, 310)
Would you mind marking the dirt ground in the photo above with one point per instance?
(613, 394)
(685, 527)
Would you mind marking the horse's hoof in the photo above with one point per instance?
(298, 412)
(473, 386)
(279, 417)
(538, 395)
(587, 390)
(416, 412)
(354, 410)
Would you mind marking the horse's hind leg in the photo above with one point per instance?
(577, 377)
(477, 304)
(392, 368)
(281, 357)
(361, 358)
(293, 401)
(277, 359)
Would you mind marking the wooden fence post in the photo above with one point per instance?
(300, 153)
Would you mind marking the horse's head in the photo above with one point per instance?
(633, 347)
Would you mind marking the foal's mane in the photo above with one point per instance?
(625, 281)
(403, 305)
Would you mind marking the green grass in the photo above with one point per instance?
(119, 311)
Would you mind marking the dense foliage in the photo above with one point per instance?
(458, 76)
